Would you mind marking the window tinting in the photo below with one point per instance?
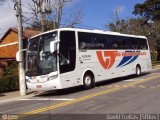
(103, 41)
(67, 51)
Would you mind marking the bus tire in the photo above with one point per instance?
(138, 70)
(88, 81)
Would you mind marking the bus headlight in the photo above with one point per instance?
(52, 77)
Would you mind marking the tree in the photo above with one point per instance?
(150, 9)
(57, 18)
(49, 25)
(139, 27)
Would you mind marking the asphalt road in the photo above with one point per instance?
(127, 97)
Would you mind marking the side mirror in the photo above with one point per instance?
(53, 46)
(18, 55)
(18, 59)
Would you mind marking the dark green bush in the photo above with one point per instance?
(153, 56)
(9, 83)
(11, 69)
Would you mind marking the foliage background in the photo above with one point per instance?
(9, 81)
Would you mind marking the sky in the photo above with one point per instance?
(96, 13)
(100, 12)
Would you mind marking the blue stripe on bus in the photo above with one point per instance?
(124, 60)
(132, 60)
(127, 59)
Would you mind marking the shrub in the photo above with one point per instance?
(11, 69)
(154, 56)
(9, 83)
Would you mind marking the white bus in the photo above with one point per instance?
(69, 57)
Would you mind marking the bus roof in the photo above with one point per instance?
(92, 31)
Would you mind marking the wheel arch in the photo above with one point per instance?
(138, 65)
(87, 71)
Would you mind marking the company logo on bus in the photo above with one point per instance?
(108, 58)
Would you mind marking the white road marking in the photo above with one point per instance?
(43, 99)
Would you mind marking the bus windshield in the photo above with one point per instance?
(40, 61)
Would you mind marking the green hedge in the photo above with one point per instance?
(153, 56)
(9, 83)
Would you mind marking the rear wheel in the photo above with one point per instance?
(138, 70)
(88, 81)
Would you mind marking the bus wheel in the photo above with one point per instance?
(88, 81)
(138, 70)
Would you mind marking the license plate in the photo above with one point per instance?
(39, 86)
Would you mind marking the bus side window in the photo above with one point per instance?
(143, 44)
(107, 42)
(114, 45)
(114, 42)
(127, 43)
(134, 44)
(84, 40)
(100, 41)
(83, 45)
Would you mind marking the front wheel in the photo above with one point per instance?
(138, 70)
(88, 81)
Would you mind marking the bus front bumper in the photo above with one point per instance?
(45, 86)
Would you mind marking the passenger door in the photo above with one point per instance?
(67, 59)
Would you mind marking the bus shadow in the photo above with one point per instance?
(72, 90)
(120, 79)
(66, 91)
